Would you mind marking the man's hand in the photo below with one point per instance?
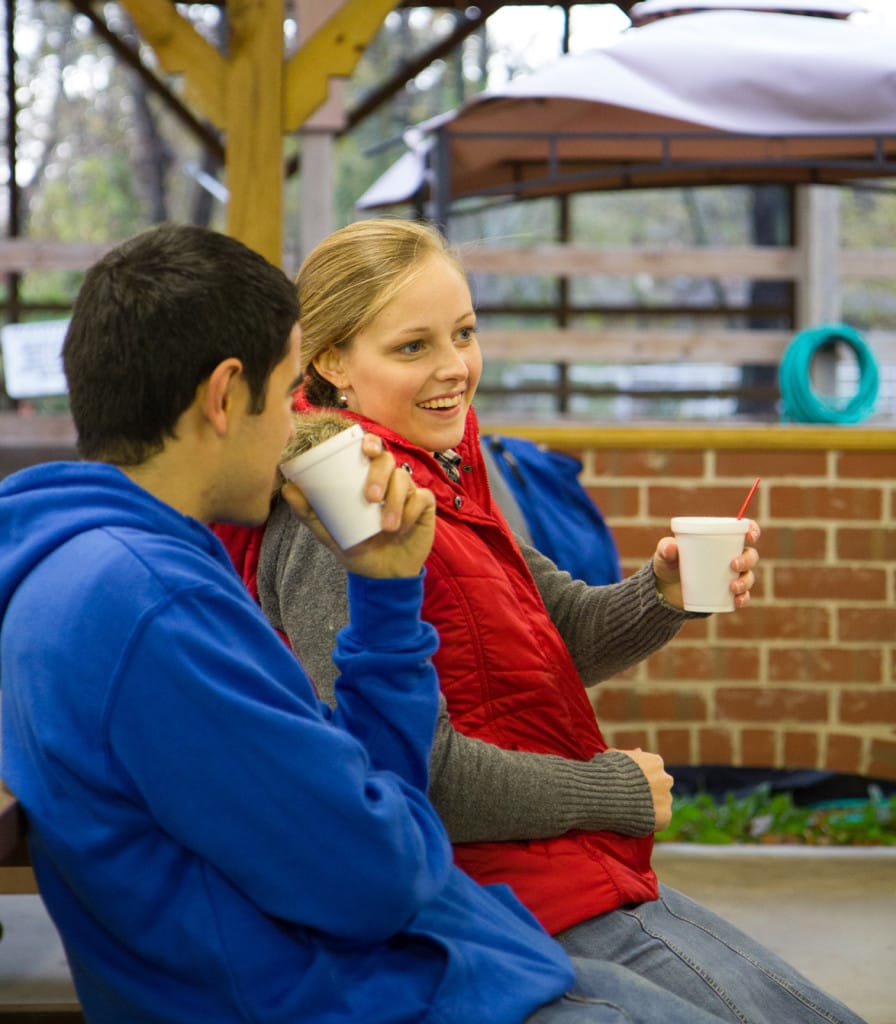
(408, 519)
(660, 783)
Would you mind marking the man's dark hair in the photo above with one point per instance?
(154, 317)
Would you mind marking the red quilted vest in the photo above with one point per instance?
(509, 680)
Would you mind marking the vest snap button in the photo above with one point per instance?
(458, 502)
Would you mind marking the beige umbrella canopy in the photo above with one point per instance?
(650, 10)
(706, 97)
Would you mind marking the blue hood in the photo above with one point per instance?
(38, 514)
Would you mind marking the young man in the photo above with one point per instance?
(213, 843)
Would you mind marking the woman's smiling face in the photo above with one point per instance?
(415, 367)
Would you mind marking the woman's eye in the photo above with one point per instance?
(411, 347)
(466, 333)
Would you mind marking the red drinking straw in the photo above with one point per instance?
(743, 507)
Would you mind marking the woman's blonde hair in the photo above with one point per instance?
(350, 277)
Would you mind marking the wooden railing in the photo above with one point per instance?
(769, 262)
(709, 340)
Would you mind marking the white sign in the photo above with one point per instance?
(32, 358)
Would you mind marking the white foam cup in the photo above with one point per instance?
(706, 547)
(332, 475)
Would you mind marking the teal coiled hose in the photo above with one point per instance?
(800, 403)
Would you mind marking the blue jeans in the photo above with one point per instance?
(606, 993)
(687, 950)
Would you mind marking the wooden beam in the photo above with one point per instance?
(332, 51)
(253, 97)
(182, 50)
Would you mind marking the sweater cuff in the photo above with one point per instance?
(608, 793)
(382, 609)
(650, 595)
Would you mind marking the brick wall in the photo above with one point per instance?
(805, 677)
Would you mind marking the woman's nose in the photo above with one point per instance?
(452, 364)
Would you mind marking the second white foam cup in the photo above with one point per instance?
(706, 547)
(332, 475)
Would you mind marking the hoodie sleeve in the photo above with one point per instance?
(208, 693)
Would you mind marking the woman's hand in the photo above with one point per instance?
(668, 580)
(659, 781)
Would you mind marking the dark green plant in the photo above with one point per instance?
(766, 817)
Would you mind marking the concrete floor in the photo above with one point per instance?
(832, 914)
(33, 971)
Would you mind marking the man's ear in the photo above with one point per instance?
(330, 366)
(218, 394)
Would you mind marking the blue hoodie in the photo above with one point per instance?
(213, 843)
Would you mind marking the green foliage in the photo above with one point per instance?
(50, 287)
(70, 206)
(766, 817)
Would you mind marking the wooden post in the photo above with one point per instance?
(254, 105)
(818, 282)
(818, 243)
(316, 137)
(253, 96)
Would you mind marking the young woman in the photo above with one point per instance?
(520, 772)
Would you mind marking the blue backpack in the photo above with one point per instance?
(564, 522)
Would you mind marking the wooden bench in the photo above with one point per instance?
(16, 876)
(17, 879)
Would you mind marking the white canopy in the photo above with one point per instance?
(647, 10)
(709, 97)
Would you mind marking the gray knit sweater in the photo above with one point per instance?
(481, 791)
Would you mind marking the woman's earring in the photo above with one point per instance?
(343, 400)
